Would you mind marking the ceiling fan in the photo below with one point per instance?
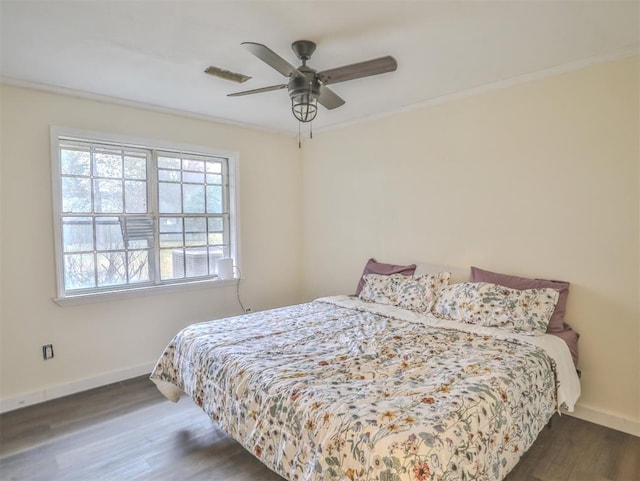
(307, 87)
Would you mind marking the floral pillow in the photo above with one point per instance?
(380, 288)
(375, 267)
(522, 311)
(420, 292)
(414, 293)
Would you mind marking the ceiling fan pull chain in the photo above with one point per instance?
(299, 141)
(311, 130)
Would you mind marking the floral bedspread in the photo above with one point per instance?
(320, 392)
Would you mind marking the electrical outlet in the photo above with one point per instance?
(47, 351)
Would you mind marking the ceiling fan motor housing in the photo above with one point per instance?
(303, 49)
(308, 84)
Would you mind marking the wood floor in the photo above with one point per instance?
(128, 432)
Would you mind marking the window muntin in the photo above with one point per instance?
(131, 216)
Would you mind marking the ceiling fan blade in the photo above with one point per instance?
(271, 58)
(358, 70)
(329, 99)
(257, 91)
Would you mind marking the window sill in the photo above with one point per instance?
(96, 297)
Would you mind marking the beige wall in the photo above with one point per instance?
(106, 340)
(539, 179)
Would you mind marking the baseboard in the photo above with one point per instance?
(35, 397)
(608, 420)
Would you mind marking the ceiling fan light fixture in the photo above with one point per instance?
(304, 106)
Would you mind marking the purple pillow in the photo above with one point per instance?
(571, 338)
(373, 267)
(556, 323)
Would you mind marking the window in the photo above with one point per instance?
(131, 215)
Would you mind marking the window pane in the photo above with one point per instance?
(139, 244)
(214, 179)
(108, 234)
(75, 162)
(107, 164)
(79, 271)
(138, 266)
(216, 239)
(168, 163)
(135, 197)
(195, 239)
(170, 224)
(193, 177)
(214, 199)
(215, 224)
(170, 198)
(171, 264)
(195, 224)
(77, 234)
(135, 167)
(107, 196)
(137, 231)
(111, 268)
(171, 240)
(169, 175)
(194, 165)
(76, 194)
(214, 167)
(197, 262)
(193, 198)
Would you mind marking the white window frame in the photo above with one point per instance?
(158, 146)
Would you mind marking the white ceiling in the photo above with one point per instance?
(154, 52)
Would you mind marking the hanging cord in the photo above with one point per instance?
(238, 289)
(300, 133)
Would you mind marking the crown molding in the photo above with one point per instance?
(501, 84)
(138, 105)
